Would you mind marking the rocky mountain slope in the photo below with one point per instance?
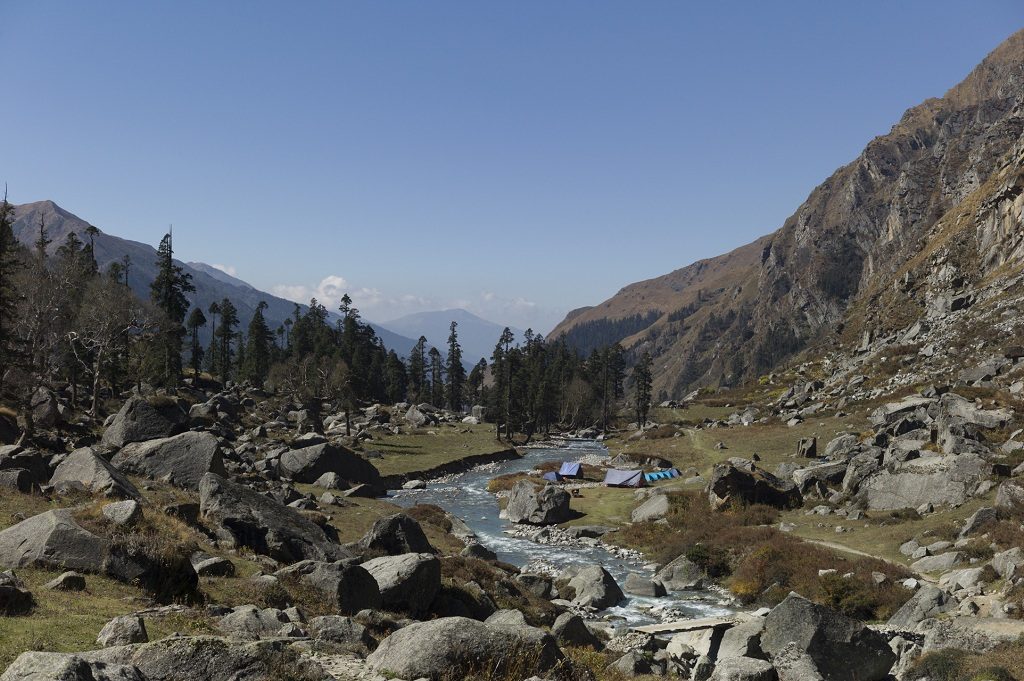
(211, 284)
(907, 231)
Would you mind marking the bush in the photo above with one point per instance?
(904, 514)
(430, 514)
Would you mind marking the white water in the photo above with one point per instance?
(465, 495)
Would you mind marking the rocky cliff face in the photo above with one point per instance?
(926, 211)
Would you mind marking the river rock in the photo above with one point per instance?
(681, 574)
(138, 420)
(395, 535)
(244, 517)
(841, 648)
(83, 467)
(457, 647)
(51, 540)
(408, 582)
(595, 588)
(548, 506)
(641, 586)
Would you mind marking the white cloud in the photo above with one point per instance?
(226, 269)
(378, 305)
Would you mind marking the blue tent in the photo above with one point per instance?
(661, 475)
(552, 476)
(571, 470)
(617, 478)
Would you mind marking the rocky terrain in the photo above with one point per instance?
(923, 224)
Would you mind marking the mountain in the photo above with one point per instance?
(211, 284)
(477, 336)
(867, 253)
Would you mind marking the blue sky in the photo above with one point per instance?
(518, 159)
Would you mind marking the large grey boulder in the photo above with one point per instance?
(122, 631)
(929, 601)
(51, 540)
(181, 460)
(84, 468)
(571, 630)
(743, 669)
(830, 473)
(39, 666)
(1009, 564)
(595, 588)
(349, 585)
(940, 481)
(408, 582)
(743, 640)
(247, 622)
(638, 585)
(457, 647)
(309, 463)
(547, 506)
(46, 409)
(15, 599)
(244, 517)
(745, 483)
(395, 535)
(940, 563)
(138, 421)
(209, 658)
(681, 574)
(654, 508)
(1010, 496)
(340, 630)
(842, 649)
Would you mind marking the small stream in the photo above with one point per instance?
(465, 495)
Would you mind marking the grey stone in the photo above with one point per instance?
(244, 517)
(510, 618)
(51, 540)
(742, 640)
(595, 588)
(123, 513)
(457, 647)
(138, 421)
(408, 582)
(247, 622)
(743, 669)
(340, 630)
(527, 504)
(939, 563)
(681, 574)
(66, 581)
(978, 520)
(641, 586)
(748, 484)
(308, 464)
(1009, 564)
(929, 601)
(842, 648)
(654, 508)
(395, 535)
(181, 460)
(15, 480)
(93, 473)
(122, 631)
(571, 630)
(350, 587)
(40, 666)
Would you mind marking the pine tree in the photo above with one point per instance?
(258, 347)
(418, 370)
(436, 378)
(456, 372)
(168, 293)
(196, 320)
(642, 380)
(225, 335)
(42, 241)
(475, 382)
(395, 378)
(213, 352)
(10, 262)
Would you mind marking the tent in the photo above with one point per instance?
(616, 478)
(552, 476)
(661, 475)
(570, 470)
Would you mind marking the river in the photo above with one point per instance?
(465, 495)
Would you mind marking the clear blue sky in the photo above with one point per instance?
(516, 158)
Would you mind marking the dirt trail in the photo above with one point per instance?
(835, 546)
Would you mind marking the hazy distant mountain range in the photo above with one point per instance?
(213, 284)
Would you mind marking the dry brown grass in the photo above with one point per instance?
(1004, 663)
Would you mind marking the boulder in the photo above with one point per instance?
(479, 551)
(1009, 564)
(510, 618)
(654, 508)
(167, 576)
(122, 631)
(681, 574)
(244, 517)
(1010, 496)
(15, 599)
(571, 630)
(743, 640)
(632, 663)
(395, 535)
(212, 566)
(743, 669)
(249, 623)
(308, 464)
(807, 447)
(181, 460)
(340, 630)
(940, 481)
(940, 563)
(408, 582)
(123, 513)
(46, 409)
(748, 484)
(349, 586)
(830, 474)
(414, 484)
(595, 588)
(138, 421)
(39, 666)
(458, 647)
(841, 648)
(547, 506)
(66, 581)
(15, 480)
(416, 418)
(641, 586)
(978, 521)
(84, 468)
(928, 602)
(51, 540)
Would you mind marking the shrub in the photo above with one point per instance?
(904, 514)
(430, 514)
